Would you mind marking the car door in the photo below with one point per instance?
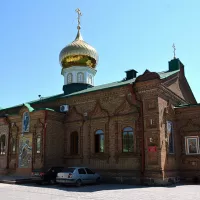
(90, 175)
(82, 175)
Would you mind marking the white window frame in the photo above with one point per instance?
(187, 146)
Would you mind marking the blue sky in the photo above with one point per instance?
(129, 34)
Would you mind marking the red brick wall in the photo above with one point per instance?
(188, 124)
(111, 111)
(54, 140)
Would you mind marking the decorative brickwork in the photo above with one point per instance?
(162, 132)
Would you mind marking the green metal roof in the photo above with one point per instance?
(166, 74)
(46, 98)
(102, 87)
(49, 109)
(12, 107)
(34, 101)
(162, 75)
(187, 105)
(31, 109)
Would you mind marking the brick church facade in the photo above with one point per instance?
(143, 128)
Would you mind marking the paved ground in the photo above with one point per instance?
(98, 192)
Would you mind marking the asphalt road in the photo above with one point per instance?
(98, 192)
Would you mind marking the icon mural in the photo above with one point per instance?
(25, 122)
(170, 134)
(25, 152)
(192, 145)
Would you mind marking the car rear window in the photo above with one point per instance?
(70, 169)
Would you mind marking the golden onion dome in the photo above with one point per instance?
(78, 53)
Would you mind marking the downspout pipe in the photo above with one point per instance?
(9, 135)
(131, 87)
(44, 137)
(143, 140)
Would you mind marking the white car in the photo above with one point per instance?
(77, 176)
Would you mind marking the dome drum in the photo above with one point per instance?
(78, 74)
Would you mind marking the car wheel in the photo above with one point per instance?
(98, 180)
(78, 183)
(39, 183)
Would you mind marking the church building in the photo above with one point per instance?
(142, 129)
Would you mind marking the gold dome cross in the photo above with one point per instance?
(174, 50)
(79, 16)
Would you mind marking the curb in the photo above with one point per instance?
(17, 181)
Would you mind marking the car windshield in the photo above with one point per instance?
(69, 169)
(38, 170)
(55, 169)
(50, 169)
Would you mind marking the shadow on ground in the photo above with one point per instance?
(93, 188)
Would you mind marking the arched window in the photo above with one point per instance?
(69, 78)
(74, 143)
(3, 145)
(90, 79)
(38, 144)
(127, 140)
(80, 77)
(99, 141)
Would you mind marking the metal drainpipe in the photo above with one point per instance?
(44, 139)
(33, 149)
(8, 149)
(143, 142)
(141, 115)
